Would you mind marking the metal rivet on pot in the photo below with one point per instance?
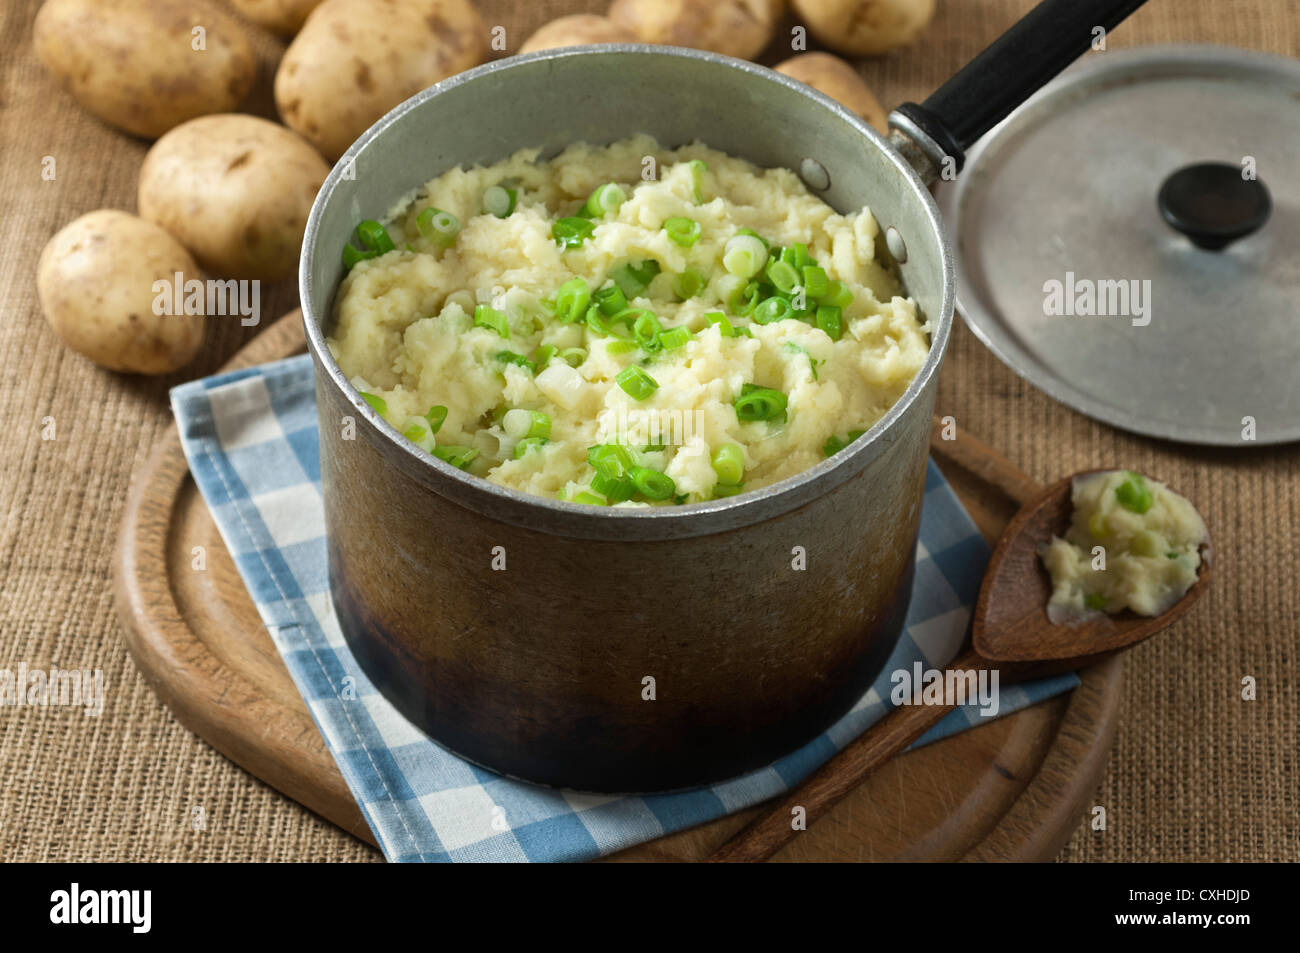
(814, 175)
(897, 247)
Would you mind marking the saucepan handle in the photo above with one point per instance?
(1047, 40)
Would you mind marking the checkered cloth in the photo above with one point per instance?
(251, 440)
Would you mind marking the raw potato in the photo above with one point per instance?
(236, 191)
(740, 28)
(133, 64)
(95, 280)
(354, 60)
(577, 30)
(279, 16)
(865, 27)
(837, 79)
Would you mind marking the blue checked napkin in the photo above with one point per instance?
(250, 437)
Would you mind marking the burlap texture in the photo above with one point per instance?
(1196, 773)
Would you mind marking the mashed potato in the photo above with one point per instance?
(628, 325)
(1149, 539)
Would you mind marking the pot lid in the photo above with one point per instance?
(1079, 222)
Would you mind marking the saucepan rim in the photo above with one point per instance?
(646, 522)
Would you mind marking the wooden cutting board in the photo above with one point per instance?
(1013, 789)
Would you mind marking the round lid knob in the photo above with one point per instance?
(1213, 204)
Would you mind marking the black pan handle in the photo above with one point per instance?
(1047, 40)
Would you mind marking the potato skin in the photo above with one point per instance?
(837, 79)
(865, 27)
(740, 28)
(131, 63)
(95, 281)
(577, 30)
(235, 190)
(284, 17)
(354, 60)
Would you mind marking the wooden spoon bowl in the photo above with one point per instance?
(1010, 622)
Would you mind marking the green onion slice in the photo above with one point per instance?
(772, 310)
(607, 198)
(633, 280)
(699, 169)
(436, 416)
(527, 445)
(520, 424)
(636, 383)
(375, 401)
(572, 301)
(729, 464)
(573, 356)
(457, 456)
(688, 284)
(837, 294)
(499, 201)
(682, 231)
(488, 317)
(1134, 494)
(830, 321)
(760, 403)
(610, 300)
(572, 231)
(652, 484)
(615, 489)
(674, 338)
(438, 226)
(744, 255)
(510, 357)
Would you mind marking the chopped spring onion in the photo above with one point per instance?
(499, 201)
(438, 226)
(782, 275)
(760, 403)
(829, 320)
(527, 445)
(488, 317)
(510, 357)
(605, 199)
(772, 310)
(744, 299)
(543, 354)
(586, 496)
(815, 281)
(646, 328)
(610, 300)
(1095, 600)
(436, 416)
(620, 346)
(457, 456)
(633, 280)
(725, 327)
(699, 168)
(598, 323)
(832, 446)
(572, 301)
(615, 489)
(798, 256)
(417, 431)
(571, 232)
(674, 338)
(682, 231)
(375, 241)
(611, 460)
(721, 490)
(521, 424)
(813, 363)
(652, 484)
(688, 284)
(744, 256)
(837, 294)
(375, 401)
(729, 464)
(1133, 494)
(636, 383)
(573, 356)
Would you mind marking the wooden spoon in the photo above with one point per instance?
(1010, 632)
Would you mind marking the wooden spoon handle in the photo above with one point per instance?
(824, 788)
(979, 458)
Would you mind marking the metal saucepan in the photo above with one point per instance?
(639, 650)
